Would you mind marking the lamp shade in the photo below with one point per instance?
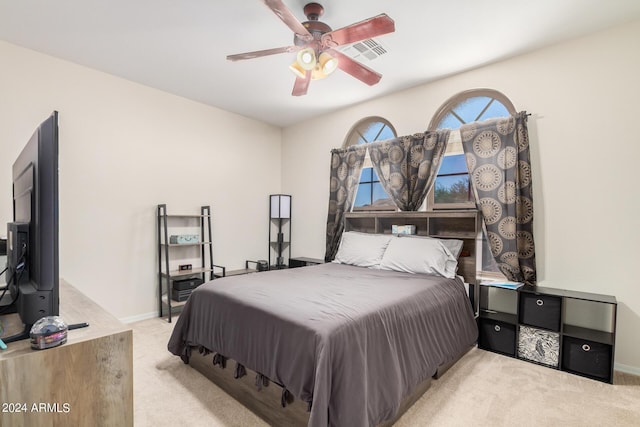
(306, 58)
(280, 206)
(328, 63)
(298, 70)
(317, 74)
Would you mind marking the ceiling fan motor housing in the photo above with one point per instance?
(313, 11)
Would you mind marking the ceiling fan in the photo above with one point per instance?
(315, 43)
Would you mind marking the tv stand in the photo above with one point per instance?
(92, 372)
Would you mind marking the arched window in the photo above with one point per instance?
(451, 188)
(370, 195)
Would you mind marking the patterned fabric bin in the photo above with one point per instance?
(539, 346)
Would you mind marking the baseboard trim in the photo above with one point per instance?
(139, 317)
(627, 369)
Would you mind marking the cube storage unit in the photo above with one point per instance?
(567, 330)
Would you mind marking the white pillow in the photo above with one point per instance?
(454, 245)
(362, 249)
(429, 256)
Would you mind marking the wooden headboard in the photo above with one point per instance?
(464, 225)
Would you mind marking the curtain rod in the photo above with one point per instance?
(345, 148)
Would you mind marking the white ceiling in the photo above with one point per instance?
(180, 46)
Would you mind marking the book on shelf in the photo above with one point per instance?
(502, 284)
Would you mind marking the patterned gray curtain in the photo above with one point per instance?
(407, 166)
(497, 153)
(346, 165)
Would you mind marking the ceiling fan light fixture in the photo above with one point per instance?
(306, 58)
(328, 63)
(298, 70)
(317, 73)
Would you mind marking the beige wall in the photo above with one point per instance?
(583, 96)
(124, 148)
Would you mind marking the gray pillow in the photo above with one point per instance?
(454, 245)
(362, 249)
(427, 256)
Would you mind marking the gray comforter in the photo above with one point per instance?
(352, 340)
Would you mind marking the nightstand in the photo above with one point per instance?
(245, 270)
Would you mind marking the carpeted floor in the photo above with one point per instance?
(482, 389)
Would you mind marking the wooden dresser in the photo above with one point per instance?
(87, 381)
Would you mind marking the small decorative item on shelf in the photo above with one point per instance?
(403, 229)
(184, 239)
(48, 332)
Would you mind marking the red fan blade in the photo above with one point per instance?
(356, 69)
(258, 53)
(301, 85)
(372, 27)
(288, 18)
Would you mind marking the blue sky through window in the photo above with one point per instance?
(472, 110)
(453, 164)
(369, 190)
(363, 197)
(376, 131)
(368, 175)
(496, 109)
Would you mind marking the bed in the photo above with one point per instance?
(350, 344)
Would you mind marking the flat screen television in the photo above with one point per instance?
(32, 275)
